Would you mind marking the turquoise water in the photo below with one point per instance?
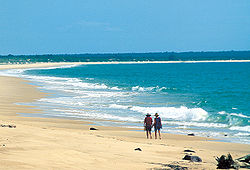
(208, 99)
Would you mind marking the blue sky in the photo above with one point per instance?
(98, 26)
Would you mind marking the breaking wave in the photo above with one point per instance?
(181, 113)
(154, 89)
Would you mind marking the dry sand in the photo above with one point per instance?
(43, 143)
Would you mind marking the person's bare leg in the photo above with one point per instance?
(159, 134)
(147, 133)
(156, 134)
(150, 135)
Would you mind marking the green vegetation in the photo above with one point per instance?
(157, 56)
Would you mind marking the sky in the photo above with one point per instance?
(119, 26)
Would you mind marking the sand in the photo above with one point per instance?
(46, 143)
(33, 65)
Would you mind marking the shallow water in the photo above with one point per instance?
(208, 99)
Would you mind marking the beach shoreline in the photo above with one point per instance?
(54, 64)
(49, 143)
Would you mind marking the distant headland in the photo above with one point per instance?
(122, 57)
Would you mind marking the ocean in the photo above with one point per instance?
(207, 99)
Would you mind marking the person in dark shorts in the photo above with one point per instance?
(157, 125)
(148, 125)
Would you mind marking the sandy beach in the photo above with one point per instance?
(46, 143)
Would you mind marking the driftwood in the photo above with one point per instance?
(244, 159)
(188, 150)
(9, 126)
(138, 149)
(226, 162)
(243, 162)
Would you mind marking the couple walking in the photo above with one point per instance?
(148, 124)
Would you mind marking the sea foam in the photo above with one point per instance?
(240, 128)
(181, 113)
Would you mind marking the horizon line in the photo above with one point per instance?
(94, 53)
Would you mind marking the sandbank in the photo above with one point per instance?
(47, 143)
(53, 64)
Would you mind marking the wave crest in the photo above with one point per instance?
(181, 113)
(154, 89)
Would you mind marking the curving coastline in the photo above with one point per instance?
(51, 64)
(43, 143)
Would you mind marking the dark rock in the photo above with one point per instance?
(93, 128)
(190, 134)
(225, 135)
(192, 158)
(196, 159)
(138, 149)
(187, 150)
(172, 166)
(176, 167)
(187, 157)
